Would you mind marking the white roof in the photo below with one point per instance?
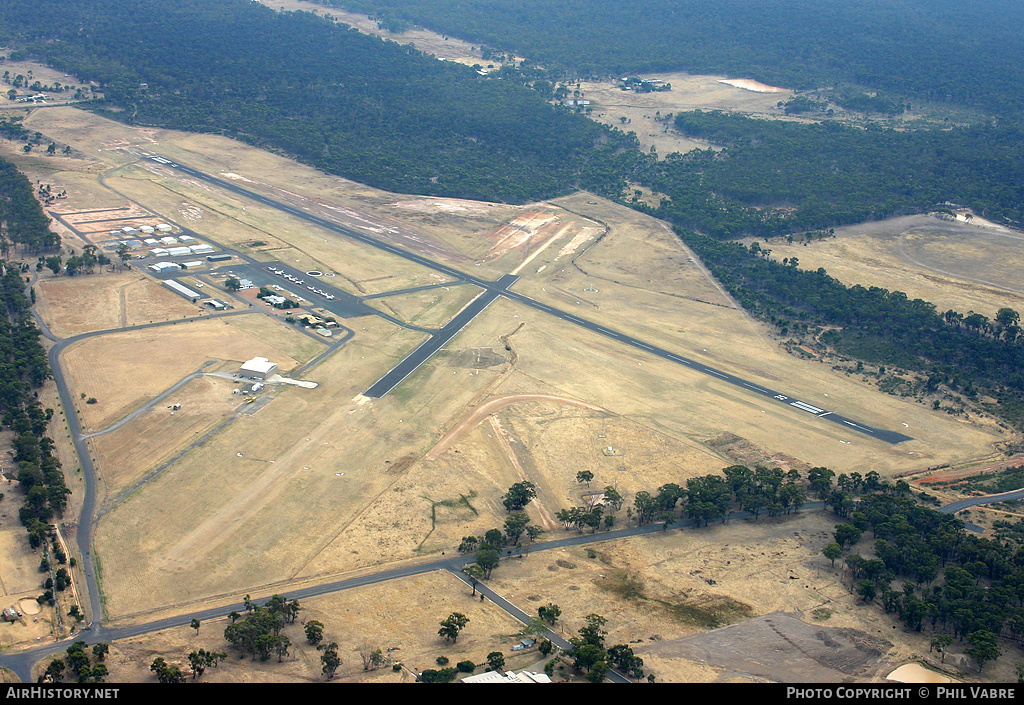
(259, 364)
(170, 283)
(495, 677)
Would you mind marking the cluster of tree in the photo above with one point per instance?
(265, 292)
(259, 634)
(926, 48)
(712, 497)
(11, 128)
(590, 656)
(23, 368)
(932, 574)
(488, 548)
(84, 263)
(373, 658)
(22, 221)
(201, 659)
(77, 661)
(776, 177)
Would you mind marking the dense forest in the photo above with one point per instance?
(23, 365)
(373, 111)
(777, 177)
(23, 225)
(939, 50)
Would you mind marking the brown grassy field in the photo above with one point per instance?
(964, 266)
(123, 370)
(321, 482)
(106, 301)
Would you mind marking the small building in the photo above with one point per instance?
(151, 241)
(161, 267)
(182, 289)
(129, 231)
(217, 305)
(258, 368)
(158, 252)
(274, 300)
(164, 228)
(178, 251)
(193, 264)
(496, 677)
(169, 240)
(201, 249)
(186, 238)
(216, 258)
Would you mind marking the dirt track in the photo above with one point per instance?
(481, 412)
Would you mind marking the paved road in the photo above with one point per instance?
(887, 436)
(21, 663)
(962, 504)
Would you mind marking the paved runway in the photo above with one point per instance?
(497, 288)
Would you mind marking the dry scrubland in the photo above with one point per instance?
(965, 265)
(324, 482)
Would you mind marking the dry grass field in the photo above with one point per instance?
(964, 266)
(318, 483)
(107, 301)
(699, 606)
(123, 370)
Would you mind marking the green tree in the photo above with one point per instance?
(584, 476)
(518, 496)
(983, 647)
(515, 525)
(847, 535)
(452, 626)
(330, 660)
(833, 552)
(487, 559)
(314, 631)
(549, 613)
(496, 661)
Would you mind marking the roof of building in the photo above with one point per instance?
(259, 364)
(181, 289)
(495, 677)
